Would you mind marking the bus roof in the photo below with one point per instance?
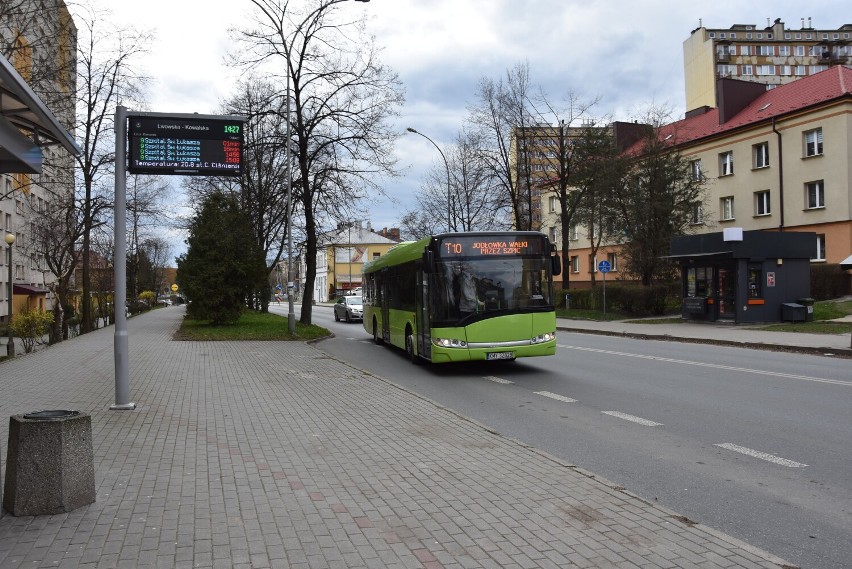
(402, 253)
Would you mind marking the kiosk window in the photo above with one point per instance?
(755, 277)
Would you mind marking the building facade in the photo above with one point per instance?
(776, 160)
(341, 254)
(38, 96)
(772, 55)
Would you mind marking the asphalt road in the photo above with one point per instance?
(753, 443)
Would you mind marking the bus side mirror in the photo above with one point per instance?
(428, 261)
(556, 265)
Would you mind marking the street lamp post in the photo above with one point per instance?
(446, 165)
(10, 341)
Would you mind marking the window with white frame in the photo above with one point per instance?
(815, 194)
(814, 69)
(813, 142)
(726, 206)
(761, 155)
(726, 163)
(574, 232)
(747, 70)
(800, 49)
(745, 50)
(785, 70)
(697, 213)
(767, 50)
(553, 203)
(551, 234)
(766, 70)
(613, 261)
(575, 264)
(800, 70)
(723, 70)
(820, 247)
(762, 203)
(695, 168)
(784, 50)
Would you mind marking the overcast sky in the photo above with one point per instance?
(627, 52)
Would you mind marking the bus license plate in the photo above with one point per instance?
(500, 356)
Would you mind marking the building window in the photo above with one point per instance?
(784, 50)
(744, 50)
(761, 203)
(815, 194)
(766, 70)
(726, 206)
(767, 50)
(726, 163)
(552, 234)
(801, 70)
(575, 232)
(800, 49)
(785, 70)
(761, 155)
(613, 261)
(575, 264)
(695, 168)
(820, 248)
(747, 70)
(814, 69)
(697, 214)
(553, 202)
(813, 142)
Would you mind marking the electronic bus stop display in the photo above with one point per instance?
(203, 146)
(479, 246)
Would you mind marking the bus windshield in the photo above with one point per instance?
(474, 288)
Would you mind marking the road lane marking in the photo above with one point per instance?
(555, 396)
(714, 366)
(761, 455)
(498, 380)
(633, 418)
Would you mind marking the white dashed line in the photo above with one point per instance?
(498, 380)
(632, 418)
(556, 396)
(714, 366)
(761, 455)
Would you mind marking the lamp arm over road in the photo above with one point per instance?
(446, 165)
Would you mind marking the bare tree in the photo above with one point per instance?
(504, 116)
(145, 210)
(106, 76)
(340, 103)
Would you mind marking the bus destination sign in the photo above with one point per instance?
(203, 146)
(480, 246)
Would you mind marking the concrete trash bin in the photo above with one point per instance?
(49, 463)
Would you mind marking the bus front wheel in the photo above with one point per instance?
(409, 345)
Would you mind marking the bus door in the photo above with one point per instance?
(386, 335)
(424, 325)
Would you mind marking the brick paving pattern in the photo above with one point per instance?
(273, 454)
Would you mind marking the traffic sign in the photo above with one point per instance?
(174, 288)
(604, 267)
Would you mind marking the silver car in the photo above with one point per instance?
(349, 308)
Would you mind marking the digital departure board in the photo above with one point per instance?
(496, 245)
(185, 145)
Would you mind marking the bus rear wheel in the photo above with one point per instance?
(376, 337)
(409, 346)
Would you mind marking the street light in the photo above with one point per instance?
(10, 341)
(446, 165)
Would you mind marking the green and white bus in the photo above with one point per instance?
(465, 296)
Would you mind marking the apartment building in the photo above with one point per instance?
(38, 40)
(776, 160)
(771, 55)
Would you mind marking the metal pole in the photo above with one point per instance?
(10, 340)
(122, 365)
(447, 166)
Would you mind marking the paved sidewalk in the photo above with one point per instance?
(273, 454)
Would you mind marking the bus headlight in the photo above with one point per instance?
(449, 343)
(542, 338)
